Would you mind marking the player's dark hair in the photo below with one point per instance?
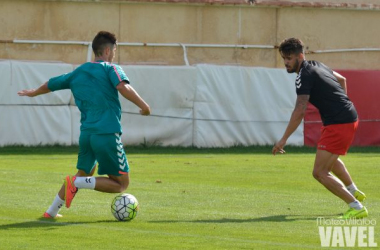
(101, 41)
(291, 46)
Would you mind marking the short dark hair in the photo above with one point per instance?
(101, 41)
(291, 46)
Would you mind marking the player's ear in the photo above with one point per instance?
(107, 50)
(301, 56)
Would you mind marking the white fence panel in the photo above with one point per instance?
(203, 106)
(243, 106)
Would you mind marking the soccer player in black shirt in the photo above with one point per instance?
(327, 91)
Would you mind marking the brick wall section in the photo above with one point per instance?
(345, 4)
(205, 2)
(350, 4)
(190, 22)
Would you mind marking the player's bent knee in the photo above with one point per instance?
(316, 175)
(123, 186)
(319, 175)
(123, 182)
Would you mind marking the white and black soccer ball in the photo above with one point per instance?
(124, 207)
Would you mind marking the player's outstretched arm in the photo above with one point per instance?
(295, 120)
(43, 89)
(128, 92)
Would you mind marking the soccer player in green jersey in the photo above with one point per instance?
(95, 87)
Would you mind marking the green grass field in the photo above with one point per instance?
(238, 198)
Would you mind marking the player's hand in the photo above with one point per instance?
(279, 147)
(27, 92)
(145, 111)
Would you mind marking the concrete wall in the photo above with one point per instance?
(319, 28)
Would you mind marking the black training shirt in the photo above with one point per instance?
(326, 94)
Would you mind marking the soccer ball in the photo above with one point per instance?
(124, 207)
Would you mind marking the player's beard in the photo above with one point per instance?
(294, 68)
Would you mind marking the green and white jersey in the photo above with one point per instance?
(93, 85)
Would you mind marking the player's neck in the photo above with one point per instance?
(300, 66)
(101, 58)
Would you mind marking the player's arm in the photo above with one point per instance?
(128, 92)
(295, 120)
(43, 89)
(342, 80)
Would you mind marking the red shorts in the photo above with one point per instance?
(337, 138)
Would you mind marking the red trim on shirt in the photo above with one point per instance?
(117, 73)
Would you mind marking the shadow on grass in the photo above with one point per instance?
(50, 224)
(274, 218)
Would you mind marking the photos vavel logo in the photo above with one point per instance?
(346, 233)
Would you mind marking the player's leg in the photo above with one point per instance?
(336, 140)
(112, 184)
(323, 164)
(59, 200)
(86, 167)
(80, 173)
(340, 170)
(112, 162)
